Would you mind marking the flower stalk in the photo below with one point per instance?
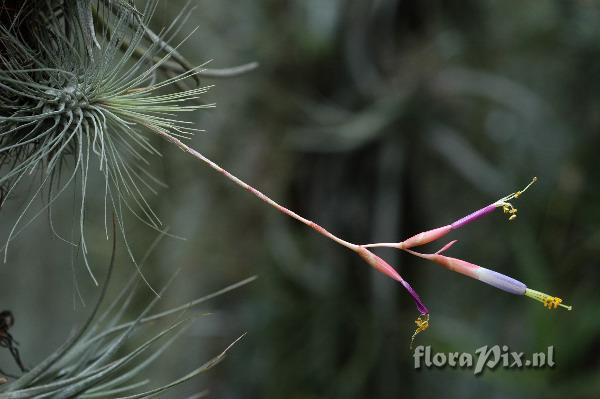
(485, 275)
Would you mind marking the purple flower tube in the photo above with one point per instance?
(473, 216)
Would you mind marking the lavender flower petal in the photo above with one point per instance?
(501, 281)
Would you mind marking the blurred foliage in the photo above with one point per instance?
(378, 119)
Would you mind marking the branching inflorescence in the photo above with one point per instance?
(485, 275)
(82, 84)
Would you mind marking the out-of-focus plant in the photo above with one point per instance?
(95, 361)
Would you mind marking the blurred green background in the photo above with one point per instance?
(378, 119)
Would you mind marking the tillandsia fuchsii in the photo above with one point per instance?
(101, 110)
(483, 274)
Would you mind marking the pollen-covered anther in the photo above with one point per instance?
(549, 301)
(552, 302)
(510, 210)
(422, 323)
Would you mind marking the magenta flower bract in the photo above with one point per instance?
(384, 267)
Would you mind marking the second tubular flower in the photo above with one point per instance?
(490, 277)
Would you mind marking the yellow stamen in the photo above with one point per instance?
(422, 323)
(549, 301)
(507, 207)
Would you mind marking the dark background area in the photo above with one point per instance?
(377, 119)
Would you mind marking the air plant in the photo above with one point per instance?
(82, 84)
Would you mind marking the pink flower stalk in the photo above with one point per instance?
(432, 235)
(493, 278)
(422, 322)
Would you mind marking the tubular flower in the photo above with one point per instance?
(490, 277)
(382, 266)
(432, 235)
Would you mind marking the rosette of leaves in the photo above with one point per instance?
(83, 86)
